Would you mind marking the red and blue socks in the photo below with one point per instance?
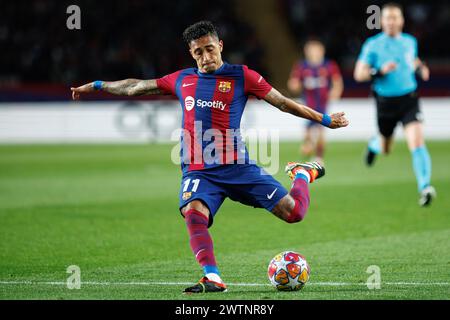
(300, 193)
(201, 243)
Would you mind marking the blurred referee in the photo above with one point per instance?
(390, 59)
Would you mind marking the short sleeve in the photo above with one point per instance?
(167, 83)
(367, 54)
(255, 84)
(334, 69)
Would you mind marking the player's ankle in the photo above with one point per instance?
(212, 273)
(302, 174)
(374, 145)
(214, 277)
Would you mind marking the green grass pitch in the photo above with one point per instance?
(112, 210)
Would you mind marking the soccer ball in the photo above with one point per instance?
(288, 271)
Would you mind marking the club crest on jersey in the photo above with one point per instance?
(187, 195)
(224, 86)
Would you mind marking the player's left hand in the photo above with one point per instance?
(76, 92)
(338, 120)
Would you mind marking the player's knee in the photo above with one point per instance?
(292, 215)
(195, 221)
(198, 206)
(294, 218)
(297, 213)
(291, 210)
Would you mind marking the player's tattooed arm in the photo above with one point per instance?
(131, 87)
(127, 87)
(275, 98)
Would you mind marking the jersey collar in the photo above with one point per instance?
(212, 73)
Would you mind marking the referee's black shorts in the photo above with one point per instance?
(391, 110)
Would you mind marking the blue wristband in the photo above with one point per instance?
(326, 120)
(98, 85)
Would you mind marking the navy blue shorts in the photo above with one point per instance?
(245, 183)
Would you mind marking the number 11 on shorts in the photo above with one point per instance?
(195, 184)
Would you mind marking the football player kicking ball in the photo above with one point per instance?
(213, 97)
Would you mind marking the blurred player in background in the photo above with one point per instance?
(213, 97)
(320, 81)
(390, 59)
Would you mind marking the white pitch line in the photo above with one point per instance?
(145, 283)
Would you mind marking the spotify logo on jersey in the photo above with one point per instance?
(189, 103)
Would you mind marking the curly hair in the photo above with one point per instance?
(198, 30)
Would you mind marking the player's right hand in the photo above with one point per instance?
(338, 120)
(388, 67)
(76, 92)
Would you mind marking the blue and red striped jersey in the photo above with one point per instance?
(316, 81)
(212, 105)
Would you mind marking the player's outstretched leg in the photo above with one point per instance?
(294, 206)
(202, 247)
(308, 171)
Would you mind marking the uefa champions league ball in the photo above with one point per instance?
(288, 271)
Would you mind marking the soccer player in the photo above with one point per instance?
(391, 61)
(215, 162)
(321, 81)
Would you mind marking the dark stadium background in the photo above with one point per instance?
(40, 58)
